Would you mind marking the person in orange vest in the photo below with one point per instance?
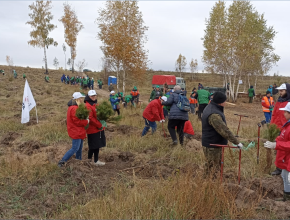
(267, 106)
(135, 95)
(192, 102)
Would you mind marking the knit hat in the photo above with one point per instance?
(157, 86)
(268, 92)
(219, 97)
(135, 88)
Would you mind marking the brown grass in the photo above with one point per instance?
(177, 195)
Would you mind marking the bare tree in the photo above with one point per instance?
(55, 62)
(64, 50)
(10, 63)
(81, 65)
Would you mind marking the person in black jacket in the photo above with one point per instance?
(215, 131)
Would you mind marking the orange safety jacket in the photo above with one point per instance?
(266, 104)
(134, 93)
(192, 101)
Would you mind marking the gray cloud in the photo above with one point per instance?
(174, 27)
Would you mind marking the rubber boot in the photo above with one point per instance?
(278, 171)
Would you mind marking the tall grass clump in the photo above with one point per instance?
(181, 197)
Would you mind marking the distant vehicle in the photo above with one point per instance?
(87, 70)
(159, 80)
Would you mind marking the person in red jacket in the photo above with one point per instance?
(152, 113)
(188, 130)
(75, 128)
(278, 116)
(96, 132)
(282, 144)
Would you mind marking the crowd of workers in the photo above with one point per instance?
(172, 105)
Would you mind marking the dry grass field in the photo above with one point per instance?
(143, 177)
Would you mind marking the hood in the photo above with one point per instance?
(178, 92)
(71, 103)
(251, 87)
(88, 100)
(287, 98)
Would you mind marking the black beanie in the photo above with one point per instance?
(219, 97)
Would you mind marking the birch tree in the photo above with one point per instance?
(193, 67)
(72, 27)
(40, 22)
(122, 32)
(238, 44)
(64, 51)
(180, 64)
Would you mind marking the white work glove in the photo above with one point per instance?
(240, 146)
(270, 145)
(163, 120)
(88, 121)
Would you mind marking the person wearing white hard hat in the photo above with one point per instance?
(152, 113)
(115, 102)
(96, 132)
(75, 128)
(278, 116)
(282, 145)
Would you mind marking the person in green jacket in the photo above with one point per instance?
(156, 93)
(85, 83)
(251, 93)
(100, 83)
(128, 99)
(24, 76)
(203, 100)
(15, 74)
(46, 79)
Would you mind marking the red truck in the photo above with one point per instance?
(159, 80)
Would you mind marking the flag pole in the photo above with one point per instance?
(36, 114)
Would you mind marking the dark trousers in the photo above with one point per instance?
(94, 152)
(117, 110)
(201, 107)
(172, 123)
(250, 99)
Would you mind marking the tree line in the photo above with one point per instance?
(237, 41)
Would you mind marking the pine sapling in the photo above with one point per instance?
(272, 133)
(82, 112)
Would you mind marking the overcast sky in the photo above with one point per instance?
(174, 27)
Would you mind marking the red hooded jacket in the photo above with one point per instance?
(75, 126)
(94, 124)
(154, 111)
(188, 128)
(283, 148)
(279, 119)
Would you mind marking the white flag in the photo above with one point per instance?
(28, 103)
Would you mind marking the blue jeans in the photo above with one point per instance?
(77, 146)
(268, 116)
(284, 176)
(149, 124)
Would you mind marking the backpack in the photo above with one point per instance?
(183, 104)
